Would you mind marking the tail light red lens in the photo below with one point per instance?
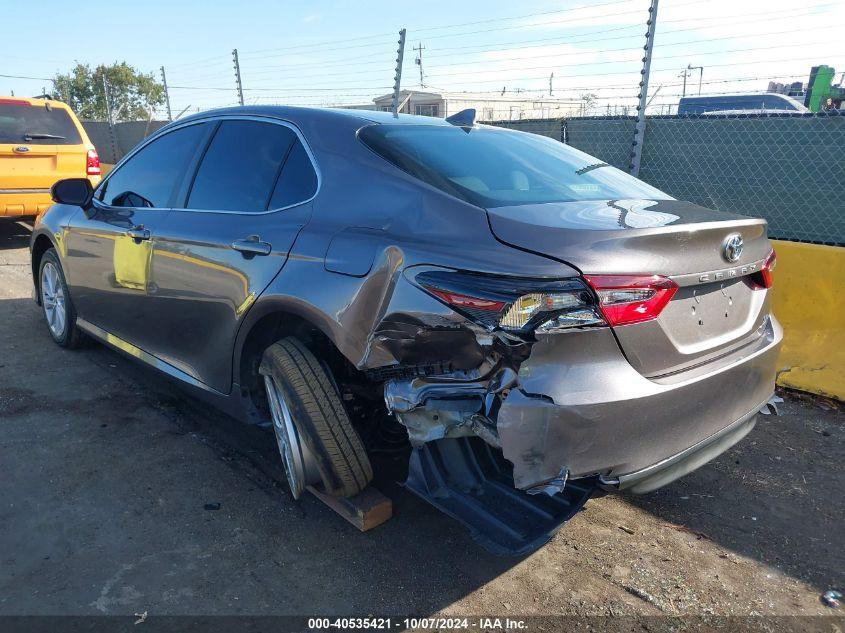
(458, 300)
(626, 299)
(92, 163)
(763, 278)
(517, 304)
(766, 270)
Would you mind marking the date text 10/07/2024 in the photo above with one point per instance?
(484, 623)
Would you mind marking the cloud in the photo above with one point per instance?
(311, 17)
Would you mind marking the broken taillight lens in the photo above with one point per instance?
(515, 304)
(626, 299)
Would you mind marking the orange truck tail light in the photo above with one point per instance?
(92, 163)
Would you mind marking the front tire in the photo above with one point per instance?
(317, 442)
(55, 301)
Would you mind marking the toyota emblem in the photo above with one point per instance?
(732, 248)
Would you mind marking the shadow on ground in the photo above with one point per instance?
(13, 235)
(776, 497)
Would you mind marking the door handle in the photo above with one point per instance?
(138, 233)
(252, 245)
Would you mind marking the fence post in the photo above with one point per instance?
(238, 77)
(110, 120)
(166, 94)
(397, 80)
(639, 130)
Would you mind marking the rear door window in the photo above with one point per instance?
(36, 124)
(241, 166)
(149, 178)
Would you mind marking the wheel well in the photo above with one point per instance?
(42, 245)
(362, 398)
(276, 326)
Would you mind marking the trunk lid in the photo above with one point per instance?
(716, 309)
(40, 143)
(39, 166)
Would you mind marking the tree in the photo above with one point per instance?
(132, 94)
(588, 100)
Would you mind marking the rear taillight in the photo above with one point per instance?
(92, 163)
(763, 278)
(766, 277)
(515, 304)
(626, 299)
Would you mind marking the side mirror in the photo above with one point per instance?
(75, 191)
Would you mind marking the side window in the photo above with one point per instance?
(150, 176)
(240, 167)
(298, 180)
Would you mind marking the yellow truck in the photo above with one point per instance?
(41, 141)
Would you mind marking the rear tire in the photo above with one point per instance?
(320, 447)
(55, 301)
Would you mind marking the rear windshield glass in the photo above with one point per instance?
(36, 125)
(495, 168)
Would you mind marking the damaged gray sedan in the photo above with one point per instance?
(515, 323)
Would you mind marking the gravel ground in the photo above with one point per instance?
(111, 476)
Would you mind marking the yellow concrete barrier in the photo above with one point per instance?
(809, 301)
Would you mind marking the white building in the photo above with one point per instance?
(510, 106)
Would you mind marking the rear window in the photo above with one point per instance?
(36, 125)
(495, 168)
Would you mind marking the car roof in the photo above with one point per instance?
(737, 94)
(314, 115)
(34, 101)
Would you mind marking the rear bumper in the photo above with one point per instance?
(683, 463)
(26, 202)
(582, 408)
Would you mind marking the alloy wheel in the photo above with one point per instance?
(300, 466)
(53, 299)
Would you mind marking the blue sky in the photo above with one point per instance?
(338, 51)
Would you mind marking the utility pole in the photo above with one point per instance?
(166, 94)
(684, 74)
(418, 62)
(639, 131)
(551, 79)
(700, 70)
(397, 80)
(238, 83)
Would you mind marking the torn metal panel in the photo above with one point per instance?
(434, 408)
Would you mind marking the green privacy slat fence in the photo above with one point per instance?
(787, 168)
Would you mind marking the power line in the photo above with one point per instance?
(662, 46)
(743, 63)
(587, 36)
(441, 27)
(26, 77)
(595, 51)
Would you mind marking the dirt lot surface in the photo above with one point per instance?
(110, 476)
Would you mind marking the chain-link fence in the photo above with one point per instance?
(114, 141)
(787, 168)
(553, 128)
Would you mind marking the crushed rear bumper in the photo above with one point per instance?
(582, 409)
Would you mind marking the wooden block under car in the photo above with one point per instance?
(365, 510)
